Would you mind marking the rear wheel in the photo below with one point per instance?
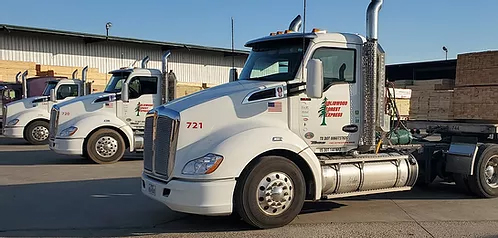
(37, 133)
(105, 146)
(271, 193)
(484, 182)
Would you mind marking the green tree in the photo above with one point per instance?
(137, 109)
(323, 111)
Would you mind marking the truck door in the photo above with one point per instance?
(331, 124)
(142, 91)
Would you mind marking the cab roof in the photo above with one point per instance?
(129, 70)
(333, 36)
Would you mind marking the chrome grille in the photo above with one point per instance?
(148, 153)
(160, 141)
(54, 122)
(163, 137)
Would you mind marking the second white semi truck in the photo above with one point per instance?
(102, 126)
(308, 119)
(29, 117)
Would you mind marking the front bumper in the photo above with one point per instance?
(196, 197)
(13, 132)
(69, 146)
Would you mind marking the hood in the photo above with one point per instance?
(25, 103)
(236, 90)
(89, 97)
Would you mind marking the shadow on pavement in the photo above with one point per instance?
(11, 141)
(104, 207)
(436, 191)
(48, 157)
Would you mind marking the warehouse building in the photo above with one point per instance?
(61, 52)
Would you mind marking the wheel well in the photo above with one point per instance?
(300, 162)
(125, 137)
(31, 122)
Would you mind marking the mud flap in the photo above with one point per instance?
(461, 156)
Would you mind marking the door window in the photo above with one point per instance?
(339, 65)
(67, 90)
(142, 85)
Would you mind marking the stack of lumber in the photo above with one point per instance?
(9, 69)
(430, 99)
(476, 92)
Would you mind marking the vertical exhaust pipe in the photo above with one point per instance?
(145, 61)
(295, 25)
(370, 67)
(164, 81)
(24, 84)
(18, 77)
(75, 74)
(83, 79)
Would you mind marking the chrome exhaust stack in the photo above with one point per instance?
(24, 84)
(145, 61)
(373, 84)
(164, 82)
(83, 79)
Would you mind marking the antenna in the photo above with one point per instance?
(304, 39)
(233, 56)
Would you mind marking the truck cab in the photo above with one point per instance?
(28, 118)
(306, 120)
(102, 126)
(9, 92)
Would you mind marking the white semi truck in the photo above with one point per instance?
(102, 126)
(29, 117)
(308, 119)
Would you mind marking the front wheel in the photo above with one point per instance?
(37, 133)
(271, 193)
(105, 146)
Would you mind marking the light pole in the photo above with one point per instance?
(107, 26)
(446, 50)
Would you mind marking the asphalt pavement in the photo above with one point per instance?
(44, 194)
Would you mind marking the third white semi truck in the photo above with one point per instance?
(28, 118)
(102, 126)
(308, 119)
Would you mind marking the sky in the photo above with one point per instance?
(409, 30)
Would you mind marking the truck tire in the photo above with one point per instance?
(270, 193)
(105, 146)
(37, 133)
(484, 182)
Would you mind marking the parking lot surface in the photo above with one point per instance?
(46, 194)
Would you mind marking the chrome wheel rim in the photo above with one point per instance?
(106, 146)
(491, 171)
(40, 133)
(275, 193)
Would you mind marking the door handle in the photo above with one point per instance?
(350, 128)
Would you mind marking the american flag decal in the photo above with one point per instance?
(274, 106)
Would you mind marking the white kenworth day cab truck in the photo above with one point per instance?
(29, 118)
(101, 126)
(300, 123)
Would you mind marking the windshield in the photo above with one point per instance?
(50, 86)
(115, 83)
(275, 61)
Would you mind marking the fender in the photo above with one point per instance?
(237, 156)
(27, 116)
(88, 123)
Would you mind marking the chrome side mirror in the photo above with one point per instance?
(314, 79)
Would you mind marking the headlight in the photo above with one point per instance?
(68, 131)
(13, 122)
(204, 165)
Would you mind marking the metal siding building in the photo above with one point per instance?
(191, 63)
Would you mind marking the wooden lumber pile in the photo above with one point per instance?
(430, 99)
(476, 92)
(9, 69)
